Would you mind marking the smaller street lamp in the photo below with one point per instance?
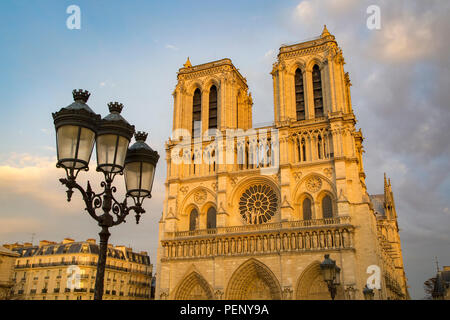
(331, 274)
(368, 293)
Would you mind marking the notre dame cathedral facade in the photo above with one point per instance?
(255, 222)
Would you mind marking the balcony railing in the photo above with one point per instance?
(56, 290)
(44, 291)
(290, 236)
(313, 223)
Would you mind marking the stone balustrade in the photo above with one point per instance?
(288, 236)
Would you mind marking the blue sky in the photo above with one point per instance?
(130, 52)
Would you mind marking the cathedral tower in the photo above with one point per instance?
(249, 213)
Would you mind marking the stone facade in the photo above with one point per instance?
(67, 270)
(256, 221)
(7, 262)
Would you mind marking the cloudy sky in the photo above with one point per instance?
(130, 52)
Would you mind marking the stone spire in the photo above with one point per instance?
(187, 64)
(325, 32)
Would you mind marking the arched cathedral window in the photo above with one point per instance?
(211, 218)
(193, 220)
(318, 96)
(196, 113)
(307, 213)
(299, 95)
(327, 207)
(212, 124)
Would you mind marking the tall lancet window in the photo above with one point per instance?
(327, 207)
(212, 108)
(299, 95)
(193, 220)
(307, 214)
(196, 113)
(211, 218)
(318, 96)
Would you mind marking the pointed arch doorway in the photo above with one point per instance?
(310, 285)
(253, 280)
(194, 287)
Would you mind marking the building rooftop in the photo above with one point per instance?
(69, 246)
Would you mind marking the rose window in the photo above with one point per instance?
(258, 204)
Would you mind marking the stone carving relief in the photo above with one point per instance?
(200, 196)
(328, 172)
(184, 190)
(297, 175)
(314, 184)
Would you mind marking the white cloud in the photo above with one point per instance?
(305, 11)
(270, 54)
(404, 39)
(171, 47)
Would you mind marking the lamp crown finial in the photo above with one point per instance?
(80, 94)
(115, 107)
(140, 136)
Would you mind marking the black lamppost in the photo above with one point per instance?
(331, 274)
(77, 128)
(368, 293)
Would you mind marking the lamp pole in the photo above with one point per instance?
(77, 128)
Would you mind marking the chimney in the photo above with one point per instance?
(41, 243)
(67, 240)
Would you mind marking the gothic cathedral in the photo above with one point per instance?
(250, 213)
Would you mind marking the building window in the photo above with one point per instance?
(299, 95)
(212, 124)
(327, 207)
(211, 218)
(307, 213)
(318, 96)
(196, 113)
(193, 219)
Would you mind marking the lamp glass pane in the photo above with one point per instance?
(87, 138)
(327, 276)
(67, 142)
(132, 173)
(107, 145)
(122, 149)
(148, 174)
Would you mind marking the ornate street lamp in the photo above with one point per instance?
(77, 127)
(368, 293)
(331, 274)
